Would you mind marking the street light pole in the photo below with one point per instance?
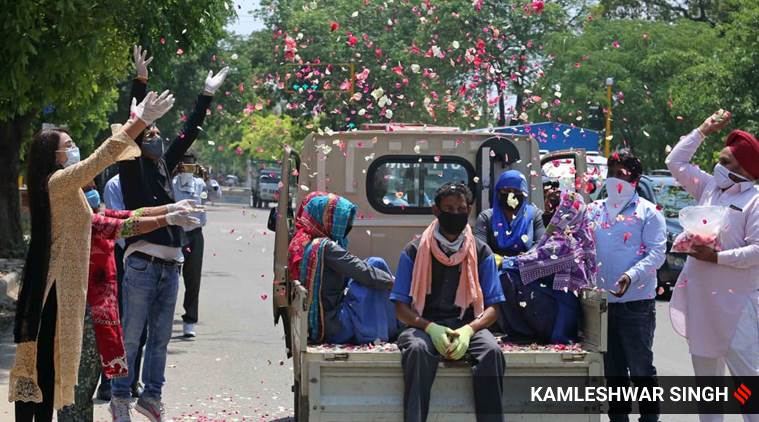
(607, 138)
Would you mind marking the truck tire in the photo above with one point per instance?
(265, 204)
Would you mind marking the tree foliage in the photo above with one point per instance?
(439, 62)
(658, 69)
(65, 60)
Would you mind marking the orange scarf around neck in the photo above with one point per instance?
(468, 292)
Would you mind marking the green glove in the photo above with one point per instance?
(498, 260)
(439, 336)
(461, 345)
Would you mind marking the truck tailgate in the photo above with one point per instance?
(365, 383)
(368, 386)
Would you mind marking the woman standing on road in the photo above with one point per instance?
(103, 342)
(50, 310)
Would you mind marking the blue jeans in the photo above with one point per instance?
(630, 355)
(149, 295)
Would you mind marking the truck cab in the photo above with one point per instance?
(391, 174)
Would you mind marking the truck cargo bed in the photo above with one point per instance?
(365, 383)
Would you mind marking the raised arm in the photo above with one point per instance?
(690, 176)
(120, 146)
(191, 129)
(140, 82)
(130, 169)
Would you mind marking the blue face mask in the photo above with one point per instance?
(93, 198)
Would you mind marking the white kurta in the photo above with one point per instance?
(709, 298)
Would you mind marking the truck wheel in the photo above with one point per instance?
(256, 202)
(266, 204)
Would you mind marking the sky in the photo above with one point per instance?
(245, 23)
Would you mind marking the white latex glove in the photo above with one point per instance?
(185, 204)
(213, 82)
(152, 107)
(181, 218)
(141, 61)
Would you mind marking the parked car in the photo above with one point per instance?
(660, 172)
(231, 180)
(265, 188)
(672, 198)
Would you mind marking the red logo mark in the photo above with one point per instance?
(742, 394)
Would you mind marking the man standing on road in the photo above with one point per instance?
(152, 261)
(631, 241)
(446, 291)
(187, 186)
(715, 303)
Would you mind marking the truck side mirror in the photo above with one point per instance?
(272, 223)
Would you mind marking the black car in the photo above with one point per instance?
(671, 198)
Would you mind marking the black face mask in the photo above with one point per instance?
(452, 224)
(152, 148)
(503, 200)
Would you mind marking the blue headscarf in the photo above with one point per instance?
(508, 235)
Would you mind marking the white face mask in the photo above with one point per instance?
(185, 178)
(619, 194)
(722, 177)
(72, 156)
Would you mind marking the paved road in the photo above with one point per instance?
(236, 368)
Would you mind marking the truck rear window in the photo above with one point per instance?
(406, 184)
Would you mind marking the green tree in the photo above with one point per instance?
(441, 62)
(264, 136)
(64, 61)
(656, 68)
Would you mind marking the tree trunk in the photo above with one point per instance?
(11, 236)
(501, 107)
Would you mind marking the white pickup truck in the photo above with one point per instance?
(365, 383)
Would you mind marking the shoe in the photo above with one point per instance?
(137, 390)
(121, 410)
(151, 408)
(104, 391)
(188, 329)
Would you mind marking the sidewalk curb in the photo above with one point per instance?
(10, 281)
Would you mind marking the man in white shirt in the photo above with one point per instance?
(715, 303)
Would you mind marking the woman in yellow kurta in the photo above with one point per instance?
(50, 312)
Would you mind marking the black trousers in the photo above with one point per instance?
(629, 355)
(191, 273)
(118, 253)
(420, 362)
(43, 412)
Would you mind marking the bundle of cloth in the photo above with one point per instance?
(542, 285)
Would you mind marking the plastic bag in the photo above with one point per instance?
(701, 226)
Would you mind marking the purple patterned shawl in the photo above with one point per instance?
(568, 253)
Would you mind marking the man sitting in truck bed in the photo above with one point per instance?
(446, 291)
